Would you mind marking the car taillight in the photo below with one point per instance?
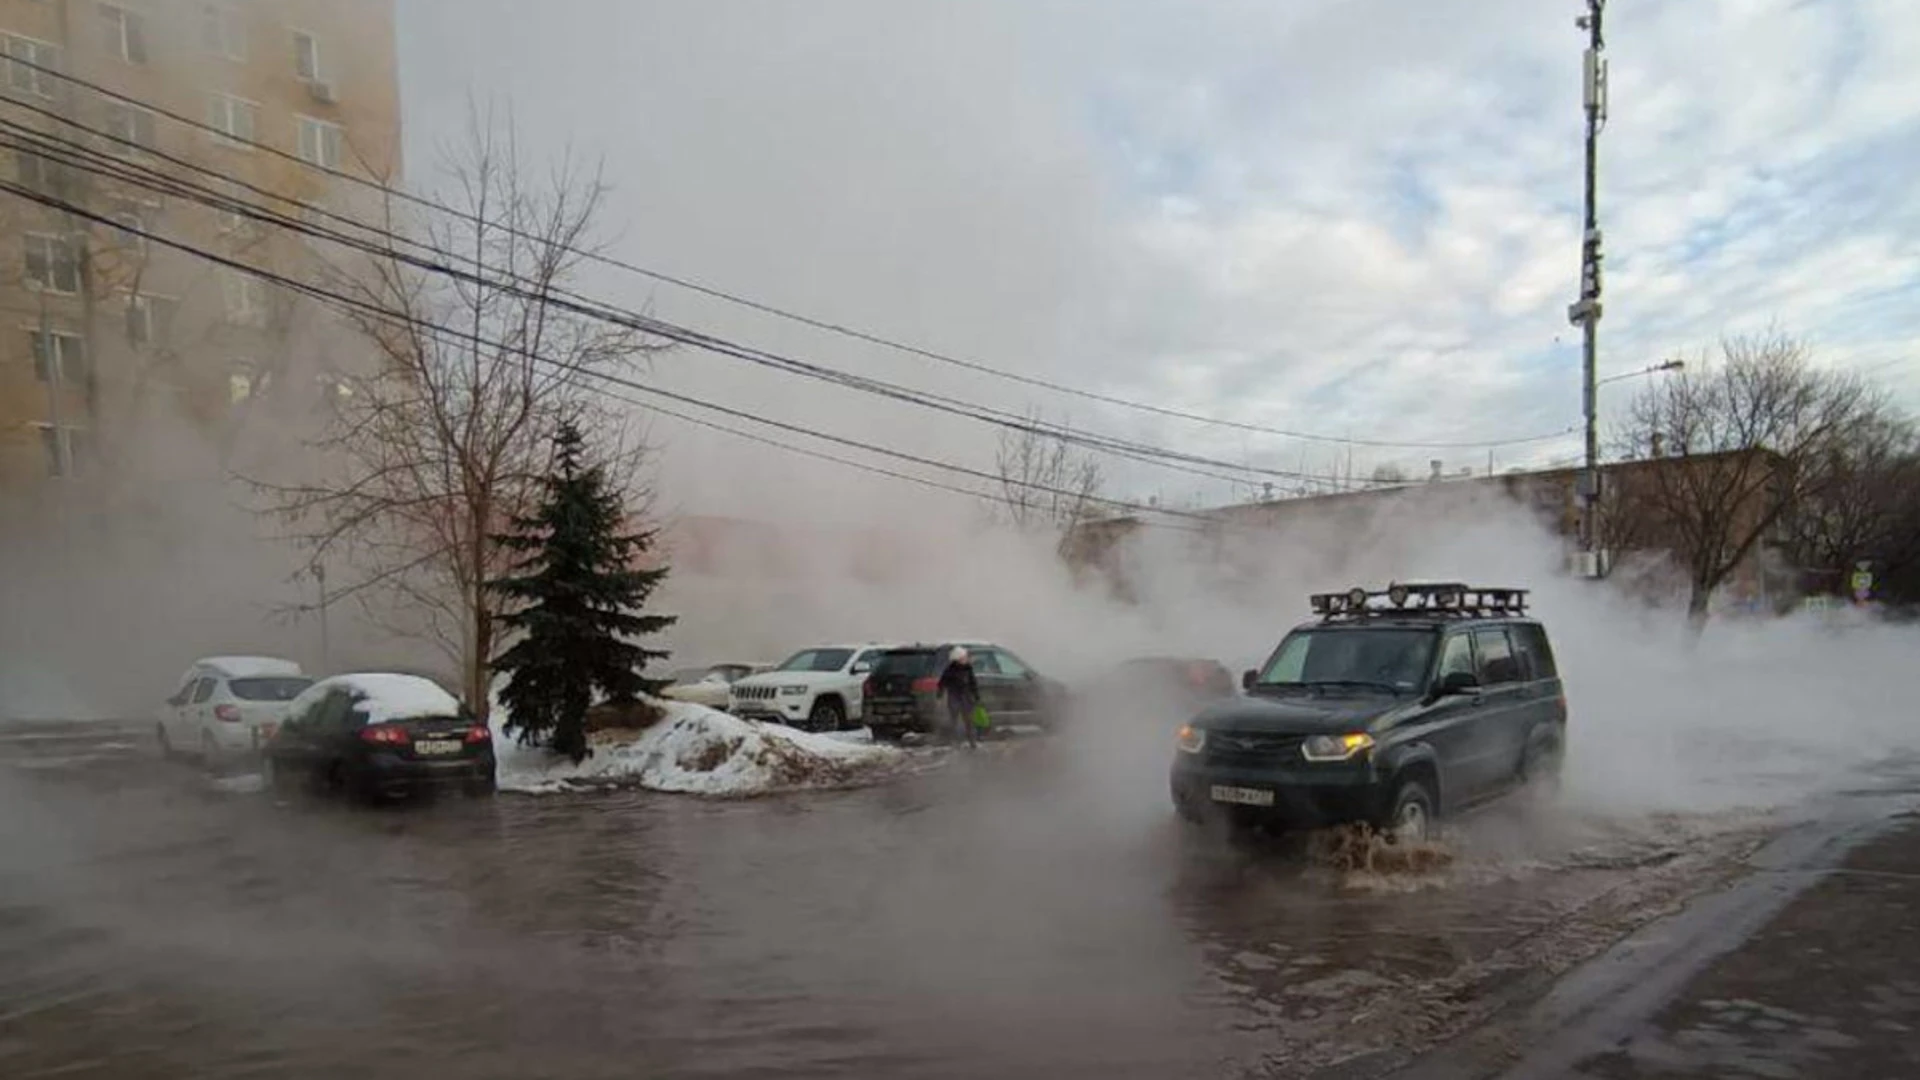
(928, 685)
(479, 735)
(385, 735)
(227, 713)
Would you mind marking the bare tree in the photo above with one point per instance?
(1045, 483)
(1864, 509)
(1745, 442)
(436, 446)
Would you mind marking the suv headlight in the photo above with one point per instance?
(1190, 739)
(793, 691)
(1335, 747)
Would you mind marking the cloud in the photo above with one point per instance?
(1351, 217)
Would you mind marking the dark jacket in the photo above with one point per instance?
(958, 685)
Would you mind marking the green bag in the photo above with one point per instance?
(980, 718)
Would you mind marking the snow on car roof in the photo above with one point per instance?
(386, 697)
(250, 667)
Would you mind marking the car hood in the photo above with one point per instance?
(793, 678)
(1299, 715)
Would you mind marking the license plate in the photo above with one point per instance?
(1242, 796)
(436, 747)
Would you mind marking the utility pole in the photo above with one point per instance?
(320, 578)
(1585, 312)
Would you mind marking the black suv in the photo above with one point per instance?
(1392, 708)
(902, 694)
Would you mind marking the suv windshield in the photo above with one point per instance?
(271, 689)
(1384, 658)
(818, 660)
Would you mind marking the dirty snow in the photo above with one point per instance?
(699, 751)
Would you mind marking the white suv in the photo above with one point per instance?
(815, 690)
(228, 706)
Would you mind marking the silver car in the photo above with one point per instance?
(227, 707)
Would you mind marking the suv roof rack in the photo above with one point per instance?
(1442, 600)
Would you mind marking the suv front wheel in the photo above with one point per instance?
(827, 715)
(1410, 816)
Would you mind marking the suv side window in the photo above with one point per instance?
(1497, 662)
(1530, 641)
(986, 662)
(1456, 655)
(1011, 665)
(203, 691)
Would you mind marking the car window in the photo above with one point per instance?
(1530, 641)
(1497, 662)
(915, 662)
(1011, 665)
(865, 661)
(1456, 656)
(1389, 657)
(818, 660)
(203, 691)
(278, 688)
(331, 714)
(986, 662)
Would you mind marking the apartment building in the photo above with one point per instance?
(105, 334)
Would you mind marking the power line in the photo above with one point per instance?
(86, 158)
(340, 301)
(793, 316)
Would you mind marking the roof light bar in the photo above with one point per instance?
(1404, 598)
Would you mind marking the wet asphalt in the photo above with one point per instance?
(1031, 910)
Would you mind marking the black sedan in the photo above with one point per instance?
(378, 736)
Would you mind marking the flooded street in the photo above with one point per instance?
(1016, 913)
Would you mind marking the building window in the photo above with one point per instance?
(320, 142)
(39, 174)
(224, 32)
(67, 449)
(131, 124)
(56, 351)
(31, 80)
(306, 56)
(53, 263)
(149, 319)
(246, 299)
(126, 33)
(234, 118)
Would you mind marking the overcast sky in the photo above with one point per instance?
(1357, 218)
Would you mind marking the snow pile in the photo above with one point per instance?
(696, 750)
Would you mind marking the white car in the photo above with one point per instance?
(228, 706)
(815, 690)
(710, 686)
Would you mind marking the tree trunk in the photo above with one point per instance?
(1698, 597)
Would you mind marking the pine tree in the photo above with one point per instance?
(576, 602)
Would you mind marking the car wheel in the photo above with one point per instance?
(883, 734)
(827, 716)
(277, 780)
(481, 788)
(166, 744)
(209, 755)
(1410, 817)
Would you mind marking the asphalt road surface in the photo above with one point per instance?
(1020, 912)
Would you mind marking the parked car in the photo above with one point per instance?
(1198, 682)
(380, 735)
(815, 689)
(710, 686)
(1393, 708)
(903, 693)
(227, 707)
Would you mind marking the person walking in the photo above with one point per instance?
(961, 691)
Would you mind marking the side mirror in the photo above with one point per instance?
(1248, 678)
(862, 668)
(1459, 682)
